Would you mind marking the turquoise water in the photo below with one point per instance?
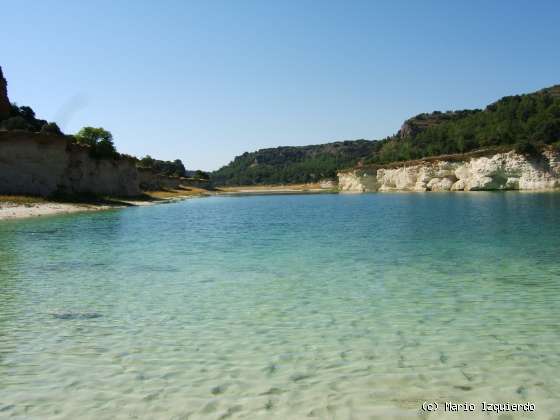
(283, 307)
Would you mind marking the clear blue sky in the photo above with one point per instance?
(205, 81)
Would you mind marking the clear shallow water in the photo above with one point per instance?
(318, 306)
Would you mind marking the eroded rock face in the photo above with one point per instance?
(440, 184)
(357, 181)
(83, 174)
(39, 164)
(503, 171)
(439, 176)
(4, 101)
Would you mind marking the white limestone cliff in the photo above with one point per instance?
(502, 171)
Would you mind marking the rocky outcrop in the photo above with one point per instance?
(39, 164)
(4, 101)
(502, 171)
(151, 181)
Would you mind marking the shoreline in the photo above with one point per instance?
(24, 207)
(10, 210)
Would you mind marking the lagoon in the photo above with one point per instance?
(288, 307)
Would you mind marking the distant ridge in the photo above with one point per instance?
(522, 122)
(293, 164)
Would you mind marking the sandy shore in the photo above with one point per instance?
(20, 207)
(21, 211)
(10, 210)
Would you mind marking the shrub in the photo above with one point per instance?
(51, 128)
(526, 148)
(201, 175)
(15, 123)
(169, 168)
(25, 114)
(147, 162)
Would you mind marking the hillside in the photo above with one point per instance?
(524, 122)
(293, 164)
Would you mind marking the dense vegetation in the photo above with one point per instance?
(169, 168)
(99, 140)
(23, 118)
(198, 174)
(523, 122)
(296, 164)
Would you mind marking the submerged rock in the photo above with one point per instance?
(76, 315)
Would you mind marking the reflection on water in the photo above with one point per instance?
(322, 306)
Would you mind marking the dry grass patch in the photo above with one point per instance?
(271, 188)
(176, 193)
(24, 200)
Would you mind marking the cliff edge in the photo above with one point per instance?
(43, 165)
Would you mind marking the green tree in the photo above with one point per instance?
(22, 118)
(201, 175)
(147, 162)
(99, 140)
(51, 128)
(169, 168)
